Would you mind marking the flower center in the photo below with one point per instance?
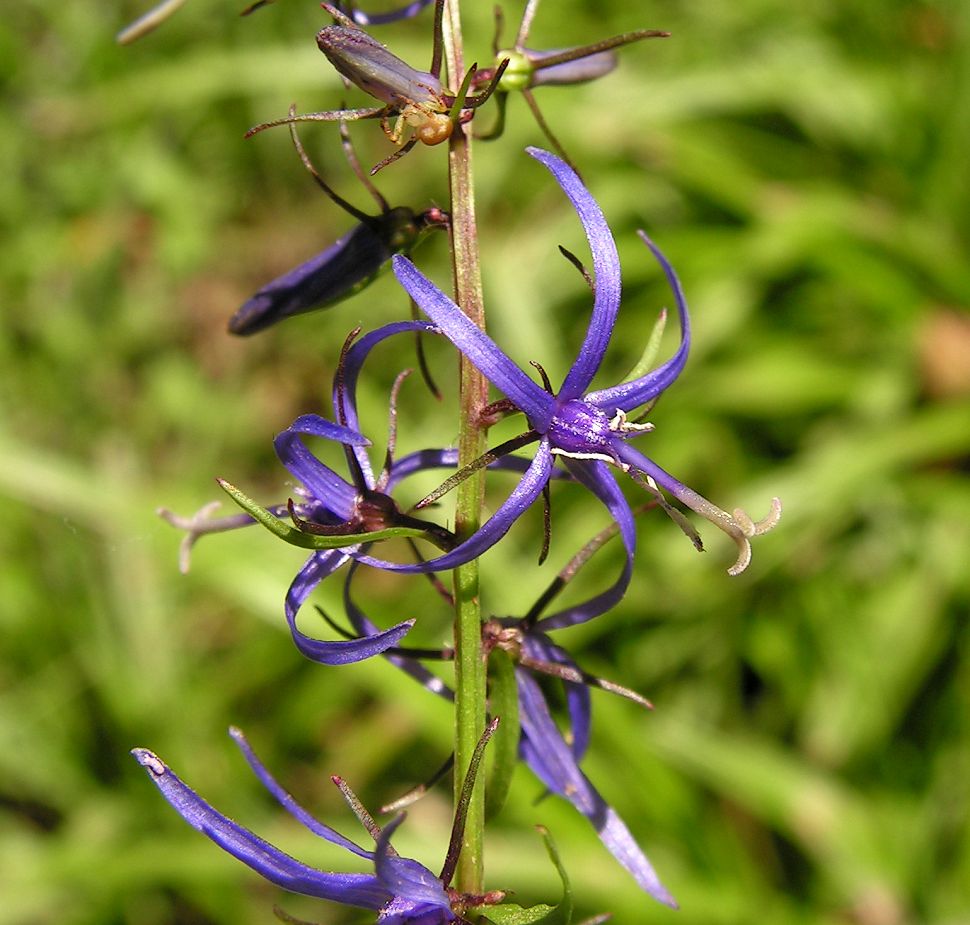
(580, 429)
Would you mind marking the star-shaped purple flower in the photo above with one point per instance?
(361, 505)
(332, 511)
(589, 430)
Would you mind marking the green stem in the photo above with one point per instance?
(469, 662)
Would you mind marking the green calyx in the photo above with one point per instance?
(518, 75)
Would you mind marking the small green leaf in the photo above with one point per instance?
(511, 914)
(309, 540)
(645, 363)
(541, 914)
(504, 702)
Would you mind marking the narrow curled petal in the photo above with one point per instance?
(408, 665)
(631, 395)
(363, 890)
(494, 528)
(322, 483)
(475, 344)
(598, 478)
(316, 426)
(320, 565)
(286, 800)
(347, 651)
(553, 763)
(539, 646)
(606, 271)
(357, 355)
(338, 652)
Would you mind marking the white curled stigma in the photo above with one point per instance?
(202, 522)
(750, 528)
(738, 525)
(198, 524)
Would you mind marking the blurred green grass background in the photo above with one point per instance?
(804, 168)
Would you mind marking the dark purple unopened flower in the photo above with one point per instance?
(363, 18)
(588, 430)
(346, 267)
(401, 890)
(342, 270)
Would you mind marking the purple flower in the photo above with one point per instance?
(332, 511)
(589, 430)
(552, 760)
(351, 507)
(401, 890)
(363, 505)
(542, 746)
(330, 504)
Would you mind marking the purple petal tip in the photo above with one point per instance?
(149, 761)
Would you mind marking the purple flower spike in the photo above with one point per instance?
(401, 891)
(586, 430)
